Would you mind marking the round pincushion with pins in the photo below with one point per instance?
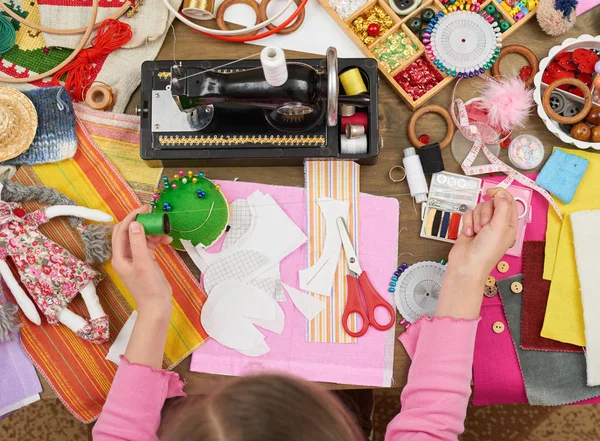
(198, 211)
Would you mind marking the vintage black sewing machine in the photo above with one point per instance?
(221, 112)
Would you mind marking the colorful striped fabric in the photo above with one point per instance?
(77, 370)
(338, 180)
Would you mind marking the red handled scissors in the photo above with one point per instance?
(358, 281)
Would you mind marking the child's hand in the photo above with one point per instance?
(135, 263)
(488, 232)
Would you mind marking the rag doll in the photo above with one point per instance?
(52, 275)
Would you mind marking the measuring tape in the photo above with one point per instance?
(472, 133)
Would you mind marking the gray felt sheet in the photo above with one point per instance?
(551, 378)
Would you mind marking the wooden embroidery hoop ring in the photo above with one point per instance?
(434, 108)
(521, 50)
(227, 3)
(587, 96)
(293, 27)
(80, 46)
(38, 27)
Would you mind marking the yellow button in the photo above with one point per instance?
(516, 287)
(490, 281)
(503, 267)
(498, 327)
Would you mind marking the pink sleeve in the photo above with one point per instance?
(36, 218)
(132, 409)
(434, 401)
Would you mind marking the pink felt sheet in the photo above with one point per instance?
(586, 5)
(497, 376)
(369, 362)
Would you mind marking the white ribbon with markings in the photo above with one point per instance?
(472, 133)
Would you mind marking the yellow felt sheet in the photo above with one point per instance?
(564, 311)
(587, 197)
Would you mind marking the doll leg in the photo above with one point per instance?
(96, 329)
(92, 301)
(71, 320)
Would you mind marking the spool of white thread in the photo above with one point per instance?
(353, 146)
(274, 66)
(414, 175)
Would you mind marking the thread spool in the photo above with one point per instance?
(415, 175)
(8, 35)
(155, 224)
(358, 119)
(199, 9)
(100, 97)
(353, 146)
(431, 158)
(274, 66)
(347, 110)
(354, 131)
(352, 82)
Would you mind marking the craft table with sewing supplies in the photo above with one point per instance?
(312, 206)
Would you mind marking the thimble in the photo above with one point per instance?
(354, 131)
(347, 110)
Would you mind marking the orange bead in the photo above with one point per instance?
(597, 81)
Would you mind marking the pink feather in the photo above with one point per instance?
(508, 103)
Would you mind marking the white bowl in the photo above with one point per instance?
(570, 44)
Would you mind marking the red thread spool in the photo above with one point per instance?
(358, 119)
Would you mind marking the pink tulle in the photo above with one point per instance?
(508, 103)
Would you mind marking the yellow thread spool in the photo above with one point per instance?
(352, 82)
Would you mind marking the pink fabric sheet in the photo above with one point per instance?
(368, 362)
(497, 377)
(586, 5)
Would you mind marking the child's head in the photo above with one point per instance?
(264, 408)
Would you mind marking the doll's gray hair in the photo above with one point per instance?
(94, 237)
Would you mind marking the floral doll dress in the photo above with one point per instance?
(51, 275)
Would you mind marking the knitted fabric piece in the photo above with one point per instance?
(55, 138)
(551, 378)
(535, 298)
(561, 175)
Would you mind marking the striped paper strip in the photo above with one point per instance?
(338, 180)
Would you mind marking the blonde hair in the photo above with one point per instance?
(263, 408)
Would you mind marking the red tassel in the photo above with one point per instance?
(112, 35)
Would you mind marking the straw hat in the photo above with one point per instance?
(18, 123)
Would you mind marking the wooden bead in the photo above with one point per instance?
(593, 117)
(595, 134)
(581, 132)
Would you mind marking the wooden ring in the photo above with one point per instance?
(587, 96)
(522, 50)
(227, 3)
(434, 108)
(293, 27)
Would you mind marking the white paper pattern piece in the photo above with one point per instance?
(271, 234)
(308, 305)
(240, 221)
(319, 277)
(232, 313)
(120, 345)
(318, 32)
(586, 237)
(235, 266)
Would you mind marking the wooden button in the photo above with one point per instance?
(490, 291)
(498, 327)
(516, 287)
(503, 267)
(490, 281)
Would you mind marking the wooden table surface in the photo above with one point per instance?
(393, 118)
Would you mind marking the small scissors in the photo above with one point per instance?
(358, 281)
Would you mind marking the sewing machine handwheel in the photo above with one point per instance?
(333, 87)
